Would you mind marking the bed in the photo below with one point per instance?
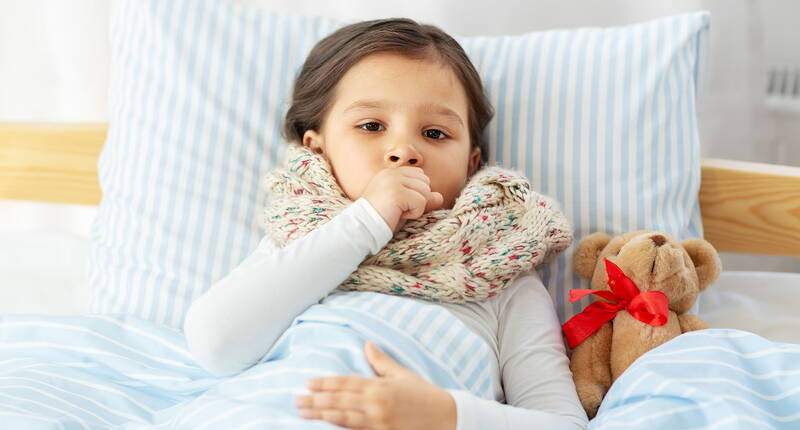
(169, 220)
(746, 207)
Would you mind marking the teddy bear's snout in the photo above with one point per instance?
(666, 262)
(650, 259)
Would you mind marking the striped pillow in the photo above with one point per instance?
(603, 120)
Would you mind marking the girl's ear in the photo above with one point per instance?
(474, 160)
(314, 141)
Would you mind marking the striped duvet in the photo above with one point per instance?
(707, 379)
(121, 371)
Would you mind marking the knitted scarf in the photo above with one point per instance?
(497, 228)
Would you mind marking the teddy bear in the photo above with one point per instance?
(668, 273)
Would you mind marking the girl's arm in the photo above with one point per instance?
(537, 381)
(233, 324)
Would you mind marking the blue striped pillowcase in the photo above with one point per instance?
(603, 120)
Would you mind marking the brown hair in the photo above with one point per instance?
(333, 56)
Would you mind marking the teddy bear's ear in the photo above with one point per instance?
(585, 258)
(706, 260)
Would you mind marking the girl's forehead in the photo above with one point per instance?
(389, 81)
(388, 65)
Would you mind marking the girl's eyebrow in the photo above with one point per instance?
(426, 107)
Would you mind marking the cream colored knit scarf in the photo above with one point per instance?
(497, 229)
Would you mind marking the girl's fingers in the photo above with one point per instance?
(330, 400)
(337, 383)
(433, 200)
(415, 172)
(343, 418)
(415, 183)
(337, 400)
(417, 207)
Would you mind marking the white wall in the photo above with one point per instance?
(54, 67)
(54, 60)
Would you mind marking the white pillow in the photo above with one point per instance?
(603, 120)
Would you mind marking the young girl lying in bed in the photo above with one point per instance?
(385, 190)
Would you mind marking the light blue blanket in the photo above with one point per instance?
(707, 379)
(120, 371)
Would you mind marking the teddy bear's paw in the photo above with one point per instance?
(689, 322)
(591, 395)
(591, 408)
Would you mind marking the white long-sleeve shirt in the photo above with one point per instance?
(232, 325)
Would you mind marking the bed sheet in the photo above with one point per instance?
(765, 303)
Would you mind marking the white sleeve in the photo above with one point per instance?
(233, 324)
(537, 381)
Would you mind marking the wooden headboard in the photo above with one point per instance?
(747, 207)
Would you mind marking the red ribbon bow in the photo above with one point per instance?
(650, 307)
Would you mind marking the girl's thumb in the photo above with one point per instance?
(382, 363)
(435, 201)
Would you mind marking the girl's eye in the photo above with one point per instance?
(374, 126)
(440, 133)
(371, 123)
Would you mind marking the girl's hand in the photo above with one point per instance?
(401, 193)
(396, 399)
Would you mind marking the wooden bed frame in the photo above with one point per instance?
(747, 207)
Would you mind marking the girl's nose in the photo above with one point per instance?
(403, 154)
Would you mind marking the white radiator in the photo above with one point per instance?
(783, 88)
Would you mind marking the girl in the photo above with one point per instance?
(397, 111)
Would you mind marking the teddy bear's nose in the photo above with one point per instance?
(658, 239)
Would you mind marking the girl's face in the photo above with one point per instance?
(390, 111)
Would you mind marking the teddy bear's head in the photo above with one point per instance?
(655, 261)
